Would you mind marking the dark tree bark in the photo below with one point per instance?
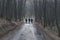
(44, 10)
(2, 10)
(35, 10)
(56, 17)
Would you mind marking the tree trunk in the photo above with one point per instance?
(57, 18)
(44, 10)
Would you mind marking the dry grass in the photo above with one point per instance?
(54, 35)
(6, 26)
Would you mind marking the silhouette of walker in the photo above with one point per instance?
(29, 20)
(26, 20)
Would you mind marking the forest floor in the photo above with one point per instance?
(6, 26)
(28, 32)
(50, 33)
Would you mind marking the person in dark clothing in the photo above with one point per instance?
(26, 20)
(29, 20)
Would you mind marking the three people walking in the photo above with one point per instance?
(30, 20)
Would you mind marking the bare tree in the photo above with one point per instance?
(56, 17)
(44, 10)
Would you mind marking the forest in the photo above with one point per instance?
(46, 12)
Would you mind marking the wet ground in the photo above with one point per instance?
(27, 32)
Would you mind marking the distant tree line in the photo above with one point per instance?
(11, 9)
(48, 13)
